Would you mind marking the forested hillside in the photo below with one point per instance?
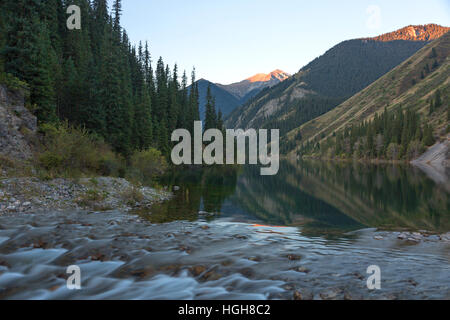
(396, 117)
(324, 83)
(93, 77)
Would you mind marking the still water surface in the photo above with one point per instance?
(238, 235)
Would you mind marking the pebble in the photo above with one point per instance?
(297, 296)
(302, 270)
(330, 294)
(378, 238)
(65, 193)
(402, 236)
(445, 237)
(293, 257)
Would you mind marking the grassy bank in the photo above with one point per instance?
(65, 151)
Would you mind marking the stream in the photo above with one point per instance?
(311, 231)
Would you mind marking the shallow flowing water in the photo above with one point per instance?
(237, 235)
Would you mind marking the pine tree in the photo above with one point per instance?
(210, 112)
(438, 100)
(435, 64)
(117, 8)
(184, 103)
(428, 138)
(93, 77)
(220, 124)
(173, 107)
(433, 53)
(28, 54)
(42, 82)
(193, 113)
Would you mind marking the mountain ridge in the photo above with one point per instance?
(427, 32)
(254, 84)
(412, 85)
(324, 83)
(274, 75)
(228, 97)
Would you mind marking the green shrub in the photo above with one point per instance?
(146, 165)
(50, 161)
(132, 195)
(393, 151)
(71, 151)
(415, 149)
(12, 82)
(91, 198)
(15, 167)
(6, 162)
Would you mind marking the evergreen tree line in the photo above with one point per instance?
(393, 135)
(94, 77)
(213, 119)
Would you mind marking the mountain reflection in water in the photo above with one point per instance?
(324, 198)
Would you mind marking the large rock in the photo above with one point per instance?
(18, 126)
(436, 162)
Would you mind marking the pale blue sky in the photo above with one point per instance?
(230, 40)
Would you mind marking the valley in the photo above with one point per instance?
(330, 80)
(230, 97)
(156, 183)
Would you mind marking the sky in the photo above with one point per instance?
(230, 40)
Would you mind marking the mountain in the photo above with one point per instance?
(229, 97)
(414, 86)
(249, 87)
(330, 79)
(225, 101)
(427, 32)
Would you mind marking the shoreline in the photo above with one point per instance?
(361, 161)
(97, 193)
(32, 195)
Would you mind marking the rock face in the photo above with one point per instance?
(248, 88)
(427, 32)
(436, 162)
(17, 125)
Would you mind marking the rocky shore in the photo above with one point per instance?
(436, 163)
(100, 194)
(413, 237)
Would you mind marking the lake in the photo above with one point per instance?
(322, 198)
(312, 231)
